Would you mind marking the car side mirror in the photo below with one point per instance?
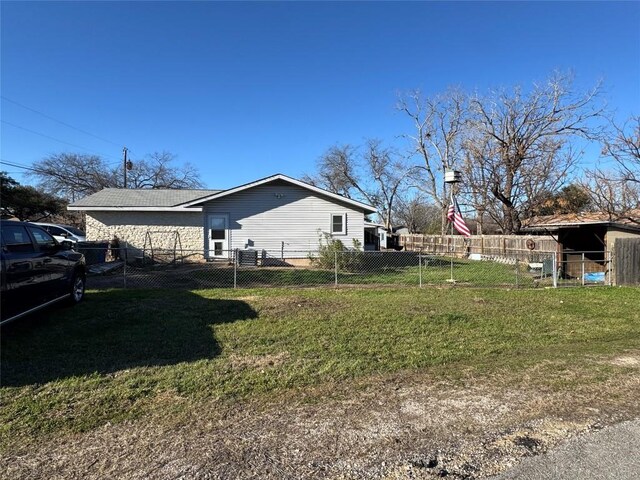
(66, 245)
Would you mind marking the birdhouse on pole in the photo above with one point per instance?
(452, 176)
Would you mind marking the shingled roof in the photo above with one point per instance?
(119, 199)
(122, 198)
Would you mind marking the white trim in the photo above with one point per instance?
(344, 223)
(279, 176)
(137, 209)
(226, 243)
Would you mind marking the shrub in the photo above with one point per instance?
(332, 250)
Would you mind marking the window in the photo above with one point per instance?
(218, 228)
(339, 224)
(43, 239)
(75, 231)
(16, 239)
(56, 231)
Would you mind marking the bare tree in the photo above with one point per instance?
(389, 174)
(616, 191)
(338, 171)
(74, 176)
(418, 215)
(377, 175)
(529, 142)
(157, 171)
(478, 154)
(437, 141)
(623, 146)
(615, 197)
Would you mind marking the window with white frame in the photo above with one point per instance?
(338, 223)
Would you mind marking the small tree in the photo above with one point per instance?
(572, 198)
(27, 203)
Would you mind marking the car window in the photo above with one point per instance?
(42, 238)
(75, 231)
(16, 239)
(56, 231)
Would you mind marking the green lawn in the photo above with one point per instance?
(371, 270)
(135, 353)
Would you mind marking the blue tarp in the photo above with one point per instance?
(594, 277)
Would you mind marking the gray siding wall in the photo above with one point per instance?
(270, 214)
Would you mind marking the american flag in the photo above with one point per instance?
(455, 216)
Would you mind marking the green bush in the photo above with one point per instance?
(332, 251)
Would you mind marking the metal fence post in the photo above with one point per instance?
(555, 270)
(420, 267)
(235, 268)
(517, 272)
(609, 269)
(335, 273)
(582, 269)
(124, 268)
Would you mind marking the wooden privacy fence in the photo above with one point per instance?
(480, 244)
(626, 261)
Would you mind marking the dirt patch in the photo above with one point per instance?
(259, 362)
(401, 426)
(626, 361)
(287, 305)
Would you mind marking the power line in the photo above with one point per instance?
(24, 167)
(58, 121)
(54, 139)
(61, 123)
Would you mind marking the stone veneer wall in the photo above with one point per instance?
(132, 227)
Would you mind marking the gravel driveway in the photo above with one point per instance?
(610, 454)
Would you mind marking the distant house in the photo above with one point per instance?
(378, 237)
(375, 236)
(276, 214)
(590, 234)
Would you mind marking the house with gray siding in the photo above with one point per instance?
(279, 215)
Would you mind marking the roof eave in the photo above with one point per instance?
(366, 208)
(556, 226)
(133, 209)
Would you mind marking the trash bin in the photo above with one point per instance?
(94, 252)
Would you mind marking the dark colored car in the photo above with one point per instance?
(37, 271)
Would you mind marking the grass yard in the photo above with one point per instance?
(135, 354)
(372, 270)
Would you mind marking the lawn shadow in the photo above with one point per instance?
(115, 330)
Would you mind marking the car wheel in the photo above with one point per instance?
(77, 289)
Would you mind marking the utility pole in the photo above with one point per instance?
(124, 151)
(128, 165)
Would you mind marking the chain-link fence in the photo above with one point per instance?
(585, 268)
(124, 267)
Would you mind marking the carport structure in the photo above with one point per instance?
(586, 240)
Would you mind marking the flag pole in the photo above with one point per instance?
(451, 177)
(452, 244)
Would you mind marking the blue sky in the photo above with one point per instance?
(244, 90)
